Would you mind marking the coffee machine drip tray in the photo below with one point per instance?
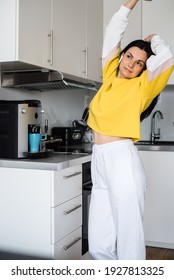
(40, 154)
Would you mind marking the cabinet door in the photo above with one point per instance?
(70, 247)
(94, 42)
(67, 184)
(158, 18)
(159, 206)
(68, 23)
(34, 26)
(8, 30)
(25, 212)
(66, 218)
(133, 31)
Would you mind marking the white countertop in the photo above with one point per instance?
(53, 162)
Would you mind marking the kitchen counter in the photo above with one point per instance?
(59, 161)
(54, 162)
(166, 146)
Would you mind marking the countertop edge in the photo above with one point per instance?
(54, 163)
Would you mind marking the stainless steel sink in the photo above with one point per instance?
(155, 146)
(148, 142)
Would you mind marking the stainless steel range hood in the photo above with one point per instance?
(38, 80)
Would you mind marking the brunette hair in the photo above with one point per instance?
(146, 46)
(141, 44)
(149, 109)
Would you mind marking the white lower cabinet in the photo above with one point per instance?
(66, 218)
(41, 212)
(159, 203)
(66, 185)
(69, 248)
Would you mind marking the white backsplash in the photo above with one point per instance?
(60, 107)
(166, 125)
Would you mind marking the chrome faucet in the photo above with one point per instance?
(43, 143)
(155, 135)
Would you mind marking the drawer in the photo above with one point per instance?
(66, 218)
(67, 184)
(70, 247)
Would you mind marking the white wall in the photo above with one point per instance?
(166, 125)
(61, 106)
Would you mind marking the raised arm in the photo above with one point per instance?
(116, 28)
(114, 33)
(131, 3)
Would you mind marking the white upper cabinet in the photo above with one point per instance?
(77, 30)
(34, 27)
(24, 29)
(68, 31)
(94, 39)
(7, 30)
(157, 17)
(62, 35)
(133, 31)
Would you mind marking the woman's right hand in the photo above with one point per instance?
(132, 3)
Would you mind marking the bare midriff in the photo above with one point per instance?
(103, 139)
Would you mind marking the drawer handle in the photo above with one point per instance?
(71, 210)
(66, 247)
(72, 175)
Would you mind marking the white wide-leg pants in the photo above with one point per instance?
(117, 202)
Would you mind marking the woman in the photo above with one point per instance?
(132, 79)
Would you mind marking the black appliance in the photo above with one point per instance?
(17, 119)
(69, 135)
(83, 122)
(71, 141)
(87, 187)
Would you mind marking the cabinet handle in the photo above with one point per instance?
(50, 60)
(85, 51)
(71, 210)
(72, 175)
(66, 247)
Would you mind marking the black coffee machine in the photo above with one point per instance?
(17, 119)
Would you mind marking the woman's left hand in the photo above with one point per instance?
(149, 38)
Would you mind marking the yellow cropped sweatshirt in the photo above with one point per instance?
(116, 108)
